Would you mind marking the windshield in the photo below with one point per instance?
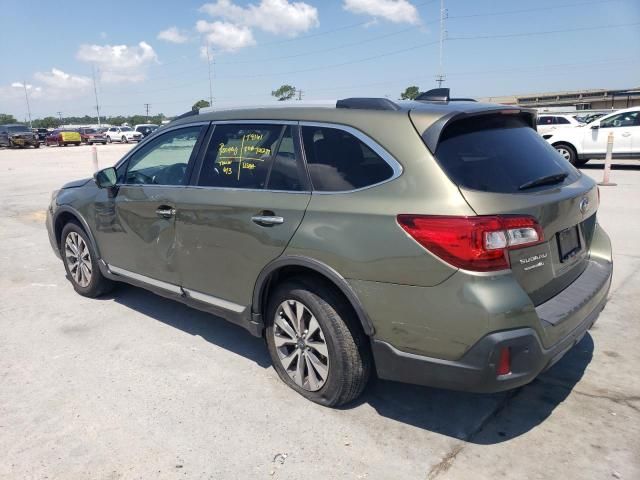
(498, 153)
(18, 128)
(125, 129)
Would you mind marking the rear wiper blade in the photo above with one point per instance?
(546, 180)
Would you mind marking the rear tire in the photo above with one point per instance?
(568, 152)
(81, 262)
(37, 145)
(333, 345)
(108, 139)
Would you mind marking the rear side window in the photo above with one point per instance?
(498, 153)
(338, 161)
(545, 120)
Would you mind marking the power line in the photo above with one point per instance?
(535, 9)
(547, 32)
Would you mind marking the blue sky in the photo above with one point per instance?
(328, 49)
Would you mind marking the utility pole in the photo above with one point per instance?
(26, 97)
(95, 91)
(60, 117)
(299, 94)
(146, 106)
(210, 85)
(440, 78)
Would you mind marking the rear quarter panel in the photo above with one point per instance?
(356, 233)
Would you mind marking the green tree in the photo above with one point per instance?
(410, 93)
(285, 92)
(6, 118)
(46, 122)
(200, 104)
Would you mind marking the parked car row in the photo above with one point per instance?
(16, 135)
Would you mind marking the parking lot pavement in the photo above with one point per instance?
(136, 386)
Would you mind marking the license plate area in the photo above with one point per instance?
(568, 243)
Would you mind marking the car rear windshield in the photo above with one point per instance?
(499, 153)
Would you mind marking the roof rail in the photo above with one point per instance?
(185, 114)
(368, 104)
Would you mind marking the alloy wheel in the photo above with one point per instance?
(78, 259)
(301, 346)
(564, 152)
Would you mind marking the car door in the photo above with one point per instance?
(246, 203)
(136, 223)
(545, 125)
(597, 133)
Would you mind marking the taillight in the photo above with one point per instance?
(473, 243)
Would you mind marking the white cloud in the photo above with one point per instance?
(58, 80)
(280, 17)
(225, 36)
(172, 35)
(119, 63)
(397, 11)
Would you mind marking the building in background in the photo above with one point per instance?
(600, 99)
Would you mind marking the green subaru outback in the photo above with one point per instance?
(437, 242)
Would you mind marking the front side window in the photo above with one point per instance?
(338, 161)
(164, 161)
(562, 121)
(240, 156)
(626, 119)
(545, 120)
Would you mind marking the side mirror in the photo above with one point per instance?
(106, 178)
(595, 127)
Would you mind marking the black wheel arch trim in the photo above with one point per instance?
(68, 209)
(317, 266)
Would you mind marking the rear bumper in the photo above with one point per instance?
(475, 371)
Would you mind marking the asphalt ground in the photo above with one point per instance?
(137, 386)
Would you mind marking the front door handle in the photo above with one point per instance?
(165, 211)
(267, 220)
(626, 134)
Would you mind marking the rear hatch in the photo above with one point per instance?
(503, 167)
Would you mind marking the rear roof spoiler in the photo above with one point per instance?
(432, 133)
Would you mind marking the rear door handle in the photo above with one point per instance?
(626, 134)
(165, 211)
(267, 220)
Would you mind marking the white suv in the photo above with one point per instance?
(122, 134)
(548, 124)
(581, 143)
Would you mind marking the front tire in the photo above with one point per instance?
(316, 343)
(124, 139)
(108, 139)
(81, 262)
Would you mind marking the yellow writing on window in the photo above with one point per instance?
(227, 149)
